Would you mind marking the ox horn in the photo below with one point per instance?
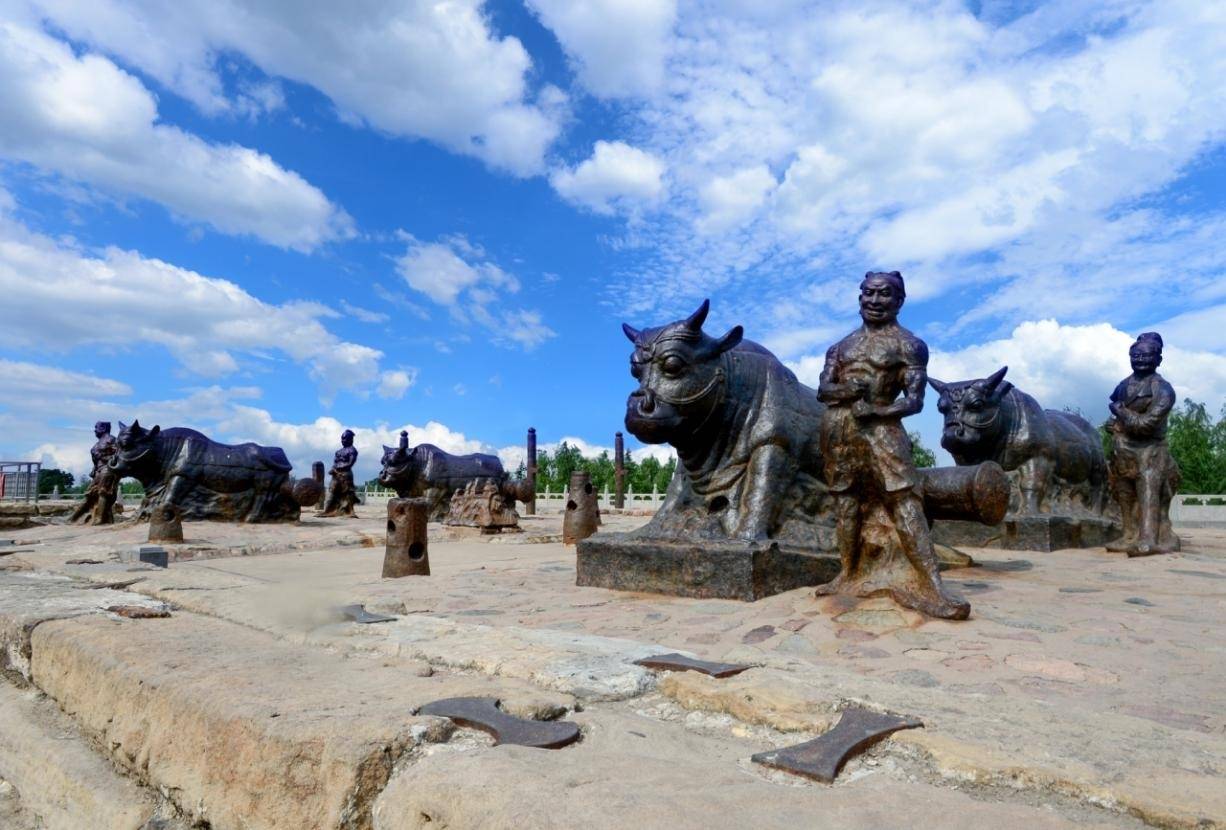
(631, 332)
(694, 321)
(993, 380)
(938, 385)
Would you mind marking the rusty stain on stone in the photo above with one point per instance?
(679, 662)
(483, 713)
(823, 757)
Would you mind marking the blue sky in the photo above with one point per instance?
(271, 221)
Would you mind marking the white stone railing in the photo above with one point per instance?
(546, 501)
(1201, 509)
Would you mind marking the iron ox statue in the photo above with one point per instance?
(1054, 461)
(429, 472)
(210, 481)
(1144, 475)
(748, 512)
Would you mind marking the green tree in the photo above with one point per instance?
(921, 456)
(51, 477)
(1198, 443)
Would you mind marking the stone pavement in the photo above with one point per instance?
(1086, 689)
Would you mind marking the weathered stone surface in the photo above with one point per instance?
(59, 777)
(970, 737)
(632, 771)
(30, 598)
(725, 570)
(246, 731)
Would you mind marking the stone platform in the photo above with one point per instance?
(1084, 692)
(703, 570)
(1030, 533)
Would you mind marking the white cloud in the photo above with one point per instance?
(122, 300)
(1079, 366)
(729, 200)
(456, 274)
(395, 382)
(437, 270)
(363, 314)
(618, 47)
(920, 136)
(31, 380)
(87, 119)
(418, 69)
(615, 176)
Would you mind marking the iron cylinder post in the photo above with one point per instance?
(530, 504)
(619, 471)
(407, 553)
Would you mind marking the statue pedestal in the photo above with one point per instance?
(1034, 533)
(701, 569)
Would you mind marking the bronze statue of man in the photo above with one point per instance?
(873, 378)
(98, 506)
(342, 496)
(1144, 476)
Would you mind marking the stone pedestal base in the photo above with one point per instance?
(701, 569)
(1033, 533)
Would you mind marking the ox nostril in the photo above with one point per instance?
(648, 404)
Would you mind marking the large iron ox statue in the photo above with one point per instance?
(207, 480)
(427, 471)
(1054, 459)
(747, 513)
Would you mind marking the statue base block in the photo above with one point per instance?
(1034, 533)
(701, 569)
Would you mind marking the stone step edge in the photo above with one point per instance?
(62, 777)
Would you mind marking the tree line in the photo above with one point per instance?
(553, 470)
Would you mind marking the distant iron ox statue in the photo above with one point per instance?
(748, 513)
(98, 506)
(207, 480)
(425, 471)
(342, 495)
(1056, 457)
(1054, 460)
(1144, 475)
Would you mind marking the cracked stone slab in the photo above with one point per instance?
(29, 598)
(679, 662)
(246, 730)
(823, 757)
(61, 779)
(483, 713)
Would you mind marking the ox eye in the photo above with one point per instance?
(672, 365)
(636, 368)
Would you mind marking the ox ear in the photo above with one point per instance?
(694, 321)
(939, 386)
(729, 340)
(992, 381)
(632, 334)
